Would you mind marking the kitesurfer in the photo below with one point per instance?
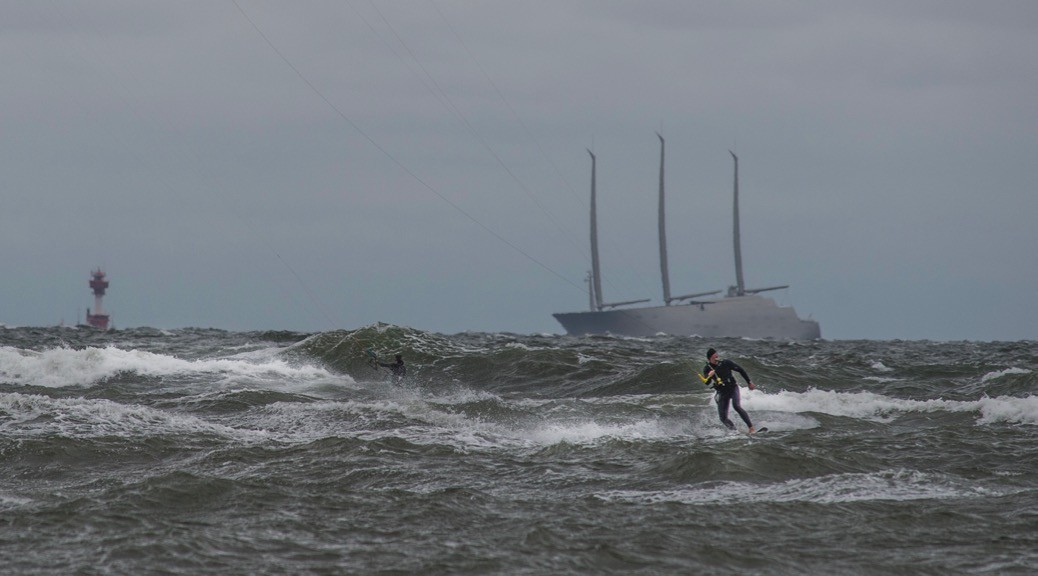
(719, 375)
(397, 368)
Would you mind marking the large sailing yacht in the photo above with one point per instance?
(741, 312)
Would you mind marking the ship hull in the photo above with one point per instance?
(748, 316)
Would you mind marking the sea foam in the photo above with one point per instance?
(61, 367)
(871, 406)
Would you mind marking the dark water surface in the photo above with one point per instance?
(209, 452)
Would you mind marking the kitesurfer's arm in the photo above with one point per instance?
(745, 376)
(711, 378)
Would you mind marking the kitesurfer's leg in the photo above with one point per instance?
(737, 404)
(722, 409)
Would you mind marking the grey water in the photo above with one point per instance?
(209, 452)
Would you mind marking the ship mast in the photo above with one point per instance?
(664, 270)
(663, 232)
(740, 286)
(596, 275)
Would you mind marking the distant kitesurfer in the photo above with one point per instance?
(719, 375)
(397, 368)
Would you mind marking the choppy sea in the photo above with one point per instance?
(209, 452)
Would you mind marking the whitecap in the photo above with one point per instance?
(1000, 373)
(61, 367)
(871, 406)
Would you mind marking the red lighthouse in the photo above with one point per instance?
(98, 284)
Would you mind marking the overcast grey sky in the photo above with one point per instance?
(319, 165)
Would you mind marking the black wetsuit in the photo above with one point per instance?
(727, 389)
